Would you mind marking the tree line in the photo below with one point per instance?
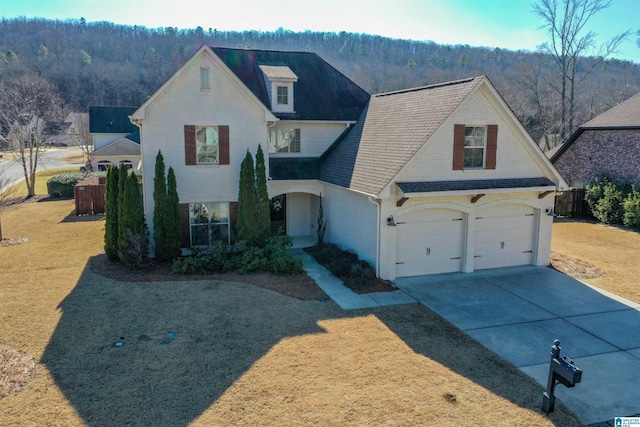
(106, 64)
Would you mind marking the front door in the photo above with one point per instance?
(278, 206)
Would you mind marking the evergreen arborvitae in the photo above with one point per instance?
(246, 222)
(133, 244)
(263, 213)
(111, 214)
(174, 228)
(122, 179)
(160, 211)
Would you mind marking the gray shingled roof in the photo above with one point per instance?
(388, 134)
(476, 184)
(625, 114)
(321, 92)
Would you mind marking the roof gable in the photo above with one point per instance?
(397, 125)
(388, 134)
(127, 146)
(321, 92)
(111, 120)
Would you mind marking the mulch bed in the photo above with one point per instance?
(299, 286)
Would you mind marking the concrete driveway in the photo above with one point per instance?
(519, 312)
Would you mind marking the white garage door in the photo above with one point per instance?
(429, 242)
(504, 237)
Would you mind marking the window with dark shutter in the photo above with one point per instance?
(189, 145)
(492, 146)
(458, 147)
(223, 135)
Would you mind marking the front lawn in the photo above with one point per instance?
(216, 352)
(610, 254)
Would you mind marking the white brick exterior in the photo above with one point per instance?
(181, 102)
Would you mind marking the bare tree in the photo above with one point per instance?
(570, 41)
(79, 133)
(7, 193)
(29, 105)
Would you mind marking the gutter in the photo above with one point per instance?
(377, 203)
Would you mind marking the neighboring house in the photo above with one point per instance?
(608, 144)
(428, 180)
(78, 131)
(115, 139)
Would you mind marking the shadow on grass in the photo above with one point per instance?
(219, 335)
(185, 345)
(72, 217)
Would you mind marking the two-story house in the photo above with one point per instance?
(427, 180)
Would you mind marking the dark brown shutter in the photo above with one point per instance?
(189, 145)
(492, 146)
(233, 217)
(458, 147)
(223, 135)
(186, 225)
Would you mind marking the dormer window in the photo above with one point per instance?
(283, 95)
(280, 80)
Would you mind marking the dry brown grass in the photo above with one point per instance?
(615, 252)
(243, 355)
(16, 370)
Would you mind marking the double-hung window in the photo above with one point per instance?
(283, 95)
(209, 221)
(475, 139)
(207, 147)
(284, 140)
(475, 147)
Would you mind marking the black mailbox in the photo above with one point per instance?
(562, 370)
(567, 372)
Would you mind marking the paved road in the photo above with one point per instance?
(50, 159)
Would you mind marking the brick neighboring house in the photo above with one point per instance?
(435, 179)
(608, 144)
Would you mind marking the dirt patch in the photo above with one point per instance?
(299, 286)
(575, 267)
(17, 369)
(5, 243)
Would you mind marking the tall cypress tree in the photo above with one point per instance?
(263, 213)
(111, 214)
(133, 244)
(160, 211)
(174, 228)
(122, 179)
(246, 221)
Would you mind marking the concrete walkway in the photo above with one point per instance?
(518, 313)
(343, 296)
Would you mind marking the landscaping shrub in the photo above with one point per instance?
(355, 273)
(632, 209)
(242, 258)
(605, 197)
(62, 185)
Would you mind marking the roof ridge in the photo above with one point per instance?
(433, 86)
(262, 50)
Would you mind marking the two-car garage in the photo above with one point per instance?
(433, 241)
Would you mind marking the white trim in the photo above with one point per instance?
(140, 113)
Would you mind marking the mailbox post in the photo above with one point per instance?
(562, 370)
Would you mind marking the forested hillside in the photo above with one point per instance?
(114, 65)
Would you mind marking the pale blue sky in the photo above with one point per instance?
(508, 24)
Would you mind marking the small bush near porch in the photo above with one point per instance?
(358, 275)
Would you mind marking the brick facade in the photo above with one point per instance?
(612, 151)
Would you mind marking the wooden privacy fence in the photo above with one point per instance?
(89, 196)
(571, 203)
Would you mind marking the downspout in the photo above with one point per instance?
(377, 203)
